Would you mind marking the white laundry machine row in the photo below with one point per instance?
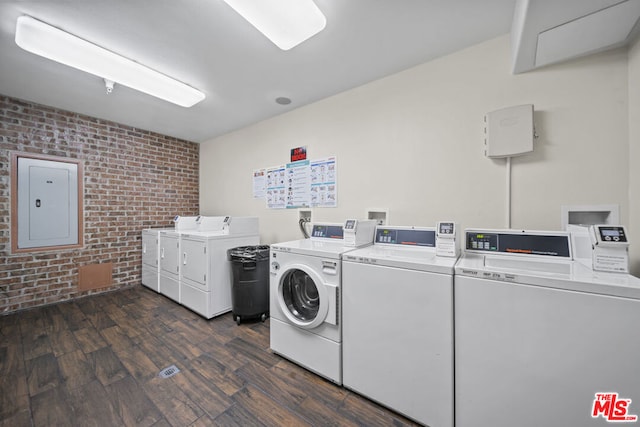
(194, 270)
(305, 295)
(150, 256)
(540, 338)
(169, 255)
(398, 322)
(151, 249)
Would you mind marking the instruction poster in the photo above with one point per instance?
(323, 183)
(275, 187)
(259, 183)
(301, 184)
(298, 181)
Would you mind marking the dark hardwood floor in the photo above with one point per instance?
(95, 362)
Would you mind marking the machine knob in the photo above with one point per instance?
(275, 266)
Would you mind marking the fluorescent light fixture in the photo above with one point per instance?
(287, 23)
(52, 43)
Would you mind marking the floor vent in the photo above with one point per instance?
(169, 372)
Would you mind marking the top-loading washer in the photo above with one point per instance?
(540, 338)
(304, 287)
(398, 323)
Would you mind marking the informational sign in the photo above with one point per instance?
(298, 154)
(276, 190)
(301, 184)
(259, 183)
(298, 180)
(323, 183)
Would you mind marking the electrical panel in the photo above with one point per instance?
(47, 203)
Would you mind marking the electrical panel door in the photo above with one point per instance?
(47, 203)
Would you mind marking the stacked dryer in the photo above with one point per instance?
(305, 295)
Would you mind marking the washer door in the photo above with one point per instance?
(303, 297)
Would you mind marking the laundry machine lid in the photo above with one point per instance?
(418, 258)
(325, 249)
(559, 274)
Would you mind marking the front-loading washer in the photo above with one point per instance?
(305, 294)
(540, 338)
(398, 324)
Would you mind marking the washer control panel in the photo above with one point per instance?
(611, 234)
(327, 231)
(407, 236)
(515, 242)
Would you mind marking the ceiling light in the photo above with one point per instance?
(287, 23)
(52, 43)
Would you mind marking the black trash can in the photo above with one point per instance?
(250, 286)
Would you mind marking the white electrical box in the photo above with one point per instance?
(47, 203)
(509, 131)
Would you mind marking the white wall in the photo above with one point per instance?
(413, 143)
(634, 155)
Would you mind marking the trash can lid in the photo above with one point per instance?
(249, 253)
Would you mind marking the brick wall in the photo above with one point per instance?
(133, 179)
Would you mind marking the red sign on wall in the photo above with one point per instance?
(298, 154)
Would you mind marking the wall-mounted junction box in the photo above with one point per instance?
(509, 131)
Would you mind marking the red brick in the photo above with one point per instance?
(133, 179)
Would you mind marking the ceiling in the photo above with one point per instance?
(207, 45)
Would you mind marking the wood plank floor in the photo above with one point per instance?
(95, 362)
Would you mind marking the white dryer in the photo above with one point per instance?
(541, 339)
(305, 278)
(398, 324)
(205, 277)
(169, 256)
(150, 258)
(169, 264)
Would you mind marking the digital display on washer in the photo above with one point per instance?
(528, 244)
(406, 237)
(328, 231)
(612, 234)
